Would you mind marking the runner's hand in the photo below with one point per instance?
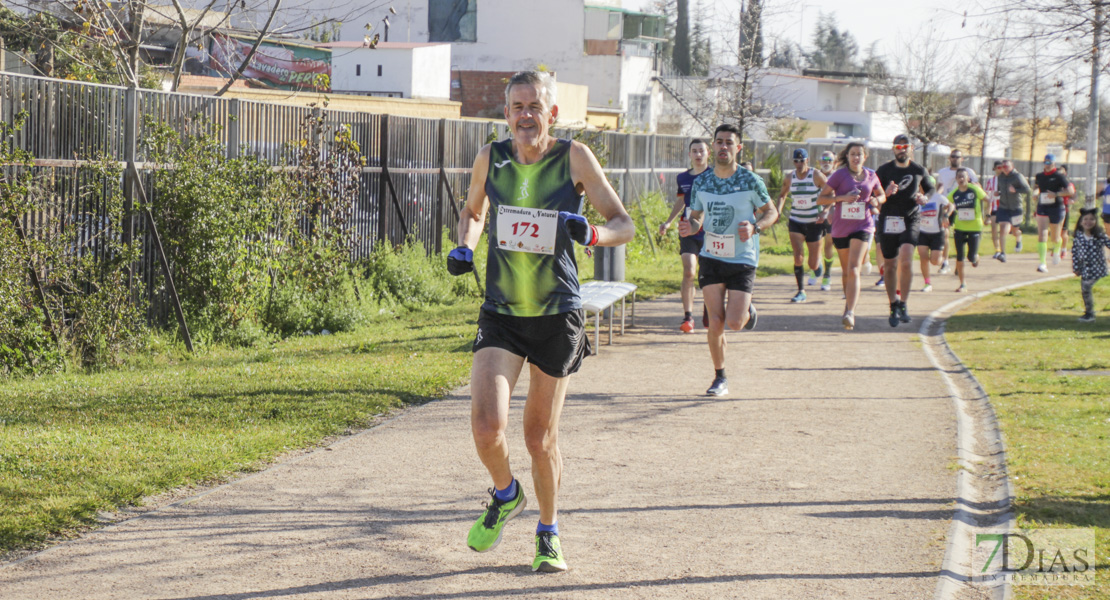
(892, 188)
(744, 231)
(684, 228)
(460, 260)
(579, 228)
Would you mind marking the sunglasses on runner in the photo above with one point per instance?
(901, 146)
(826, 160)
(799, 160)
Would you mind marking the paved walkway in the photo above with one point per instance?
(827, 473)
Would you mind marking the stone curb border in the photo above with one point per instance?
(983, 486)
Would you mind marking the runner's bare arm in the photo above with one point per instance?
(827, 197)
(587, 175)
(878, 195)
(472, 218)
(695, 220)
(820, 180)
(679, 206)
(767, 215)
(785, 191)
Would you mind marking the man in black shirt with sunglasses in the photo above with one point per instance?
(907, 188)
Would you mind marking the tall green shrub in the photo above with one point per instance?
(216, 218)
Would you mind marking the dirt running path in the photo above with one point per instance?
(827, 473)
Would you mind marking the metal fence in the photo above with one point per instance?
(416, 170)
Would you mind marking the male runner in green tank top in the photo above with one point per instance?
(532, 186)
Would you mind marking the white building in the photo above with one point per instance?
(596, 43)
(850, 107)
(392, 69)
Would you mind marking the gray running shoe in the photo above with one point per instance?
(718, 388)
(753, 316)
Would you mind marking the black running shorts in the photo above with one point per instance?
(844, 243)
(689, 245)
(935, 241)
(811, 231)
(735, 277)
(556, 344)
(889, 243)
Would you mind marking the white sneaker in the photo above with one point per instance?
(1042, 268)
(811, 281)
(928, 288)
(1056, 258)
(867, 268)
(825, 287)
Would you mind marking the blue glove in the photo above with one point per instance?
(460, 260)
(579, 228)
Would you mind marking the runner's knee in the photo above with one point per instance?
(488, 431)
(540, 440)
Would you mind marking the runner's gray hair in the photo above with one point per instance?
(545, 81)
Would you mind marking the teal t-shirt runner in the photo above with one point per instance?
(727, 202)
(530, 271)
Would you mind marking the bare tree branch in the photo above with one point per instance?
(254, 48)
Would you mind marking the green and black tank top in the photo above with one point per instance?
(531, 270)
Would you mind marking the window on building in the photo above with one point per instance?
(845, 129)
(358, 70)
(452, 20)
(639, 111)
(379, 70)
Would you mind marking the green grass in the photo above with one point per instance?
(74, 444)
(1056, 427)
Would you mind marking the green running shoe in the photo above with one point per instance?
(549, 554)
(486, 532)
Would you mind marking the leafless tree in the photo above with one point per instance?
(996, 82)
(919, 85)
(1075, 31)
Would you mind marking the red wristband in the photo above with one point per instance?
(593, 234)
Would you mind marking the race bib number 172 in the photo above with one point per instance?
(522, 229)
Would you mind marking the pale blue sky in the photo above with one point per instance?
(882, 21)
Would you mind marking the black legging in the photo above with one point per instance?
(970, 240)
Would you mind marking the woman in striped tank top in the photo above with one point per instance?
(802, 185)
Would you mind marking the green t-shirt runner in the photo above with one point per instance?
(969, 208)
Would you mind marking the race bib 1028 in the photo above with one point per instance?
(966, 214)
